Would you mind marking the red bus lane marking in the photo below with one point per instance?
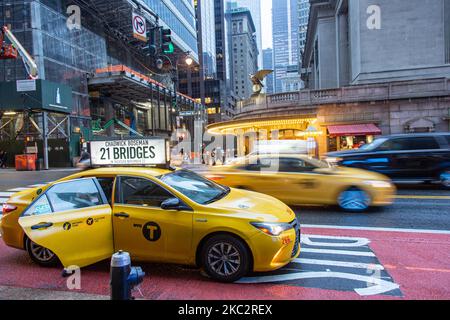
(417, 261)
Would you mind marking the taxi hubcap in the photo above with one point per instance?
(41, 253)
(354, 200)
(224, 259)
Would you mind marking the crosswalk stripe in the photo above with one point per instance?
(341, 252)
(6, 194)
(340, 264)
(19, 189)
(38, 185)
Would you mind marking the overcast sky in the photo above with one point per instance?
(266, 22)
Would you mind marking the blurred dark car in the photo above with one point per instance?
(410, 158)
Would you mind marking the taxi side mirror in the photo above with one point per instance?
(174, 204)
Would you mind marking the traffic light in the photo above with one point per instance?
(166, 41)
(174, 102)
(150, 49)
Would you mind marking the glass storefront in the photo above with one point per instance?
(348, 142)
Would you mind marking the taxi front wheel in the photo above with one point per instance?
(225, 258)
(40, 255)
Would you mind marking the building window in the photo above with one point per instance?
(447, 30)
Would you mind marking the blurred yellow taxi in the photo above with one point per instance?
(302, 180)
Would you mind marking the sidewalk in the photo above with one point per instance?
(50, 169)
(16, 293)
(10, 179)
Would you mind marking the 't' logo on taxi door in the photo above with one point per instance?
(151, 231)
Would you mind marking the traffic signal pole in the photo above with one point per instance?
(45, 138)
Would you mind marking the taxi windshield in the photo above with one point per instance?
(195, 187)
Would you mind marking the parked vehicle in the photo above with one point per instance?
(160, 215)
(407, 158)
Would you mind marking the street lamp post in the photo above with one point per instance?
(188, 61)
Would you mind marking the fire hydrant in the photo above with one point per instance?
(124, 277)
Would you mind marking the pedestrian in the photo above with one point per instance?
(203, 153)
(4, 159)
(85, 159)
(213, 156)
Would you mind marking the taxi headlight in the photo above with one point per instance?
(272, 229)
(378, 183)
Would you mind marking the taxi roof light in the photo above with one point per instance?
(133, 151)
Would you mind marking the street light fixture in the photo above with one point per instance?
(189, 60)
(160, 63)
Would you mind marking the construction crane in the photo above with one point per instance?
(13, 50)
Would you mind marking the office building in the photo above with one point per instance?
(255, 9)
(285, 30)
(244, 54)
(268, 65)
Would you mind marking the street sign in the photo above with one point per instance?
(26, 85)
(139, 27)
(144, 151)
(187, 113)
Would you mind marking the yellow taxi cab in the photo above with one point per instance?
(155, 214)
(302, 180)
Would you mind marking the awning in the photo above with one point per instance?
(124, 85)
(354, 130)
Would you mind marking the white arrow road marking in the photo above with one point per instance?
(341, 252)
(358, 265)
(380, 286)
(357, 242)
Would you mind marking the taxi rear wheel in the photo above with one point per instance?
(445, 179)
(40, 255)
(225, 258)
(354, 200)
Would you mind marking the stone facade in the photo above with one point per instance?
(362, 41)
(395, 107)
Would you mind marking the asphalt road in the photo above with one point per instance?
(410, 213)
(417, 207)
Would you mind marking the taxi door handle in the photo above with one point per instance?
(122, 215)
(41, 226)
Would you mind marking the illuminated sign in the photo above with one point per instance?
(144, 151)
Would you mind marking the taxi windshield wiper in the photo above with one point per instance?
(219, 196)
